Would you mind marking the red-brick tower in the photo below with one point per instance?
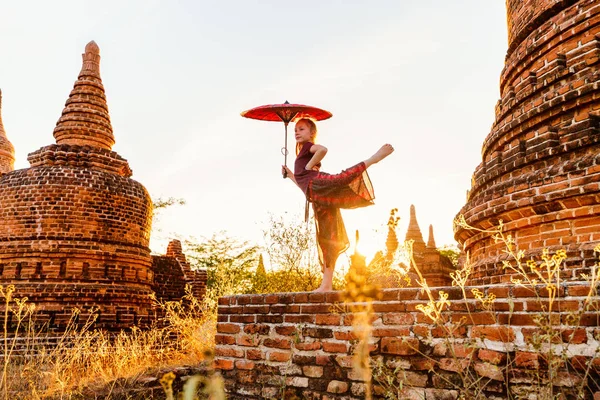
(7, 151)
(74, 228)
(540, 172)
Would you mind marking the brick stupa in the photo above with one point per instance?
(74, 227)
(7, 151)
(540, 170)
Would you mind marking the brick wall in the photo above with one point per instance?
(301, 344)
(540, 169)
(170, 279)
(197, 279)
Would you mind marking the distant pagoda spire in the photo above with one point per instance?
(414, 232)
(85, 119)
(431, 239)
(7, 150)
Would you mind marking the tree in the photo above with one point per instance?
(229, 264)
(291, 245)
(292, 250)
(452, 252)
(162, 203)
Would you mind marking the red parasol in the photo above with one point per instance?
(286, 112)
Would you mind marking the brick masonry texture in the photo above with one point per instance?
(540, 172)
(75, 228)
(301, 344)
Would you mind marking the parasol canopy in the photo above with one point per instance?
(286, 113)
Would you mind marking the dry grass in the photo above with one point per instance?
(83, 362)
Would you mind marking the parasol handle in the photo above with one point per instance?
(284, 150)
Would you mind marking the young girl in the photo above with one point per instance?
(328, 193)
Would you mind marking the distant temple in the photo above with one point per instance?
(434, 266)
(75, 228)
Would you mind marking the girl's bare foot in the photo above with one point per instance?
(382, 153)
(327, 283)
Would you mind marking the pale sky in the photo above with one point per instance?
(422, 75)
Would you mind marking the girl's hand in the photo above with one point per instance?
(287, 173)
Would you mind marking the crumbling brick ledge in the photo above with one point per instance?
(300, 345)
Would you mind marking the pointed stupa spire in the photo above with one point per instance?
(414, 232)
(85, 119)
(7, 151)
(431, 239)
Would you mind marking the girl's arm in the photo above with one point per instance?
(318, 154)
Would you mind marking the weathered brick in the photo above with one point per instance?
(247, 376)
(224, 339)
(398, 319)
(527, 360)
(337, 387)
(305, 346)
(453, 364)
(332, 347)
(491, 356)
(223, 364)
(574, 336)
(277, 343)
(390, 332)
(404, 347)
(259, 329)
(227, 328)
(422, 363)
(244, 364)
(297, 381)
(286, 330)
(224, 351)
(490, 371)
(494, 333)
(255, 354)
(413, 379)
(320, 333)
(312, 371)
(328, 319)
(279, 356)
(246, 340)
